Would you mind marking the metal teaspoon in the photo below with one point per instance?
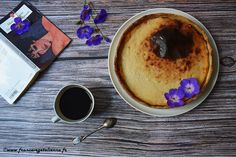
(108, 123)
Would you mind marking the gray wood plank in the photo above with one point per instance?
(211, 124)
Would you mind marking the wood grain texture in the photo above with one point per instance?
(208, 130)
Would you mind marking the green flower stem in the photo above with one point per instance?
(94, 11)
(91, 6)
(98, 28)
(80, 22)
(85, 2)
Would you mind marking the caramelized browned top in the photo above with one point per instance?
(184, 44)
(178, 39)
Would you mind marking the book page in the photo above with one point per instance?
(15, 71)
(23, 56)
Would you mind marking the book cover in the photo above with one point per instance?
(42, 42)
(24, 54)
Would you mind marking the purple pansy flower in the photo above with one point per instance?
(85, 13)
(20, 27)
(190, 87)
(101, 17)
(174, 97)
(85, 32)
(95, 40)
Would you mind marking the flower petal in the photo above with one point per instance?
(94, 40)
(188, 95)
(20, 27)
(89, 42)
(174, 97)
(26, 22)
(179, 103)
(172, 91)
(193, 81)
(175, 104)
(180, 93)
(101, 17)
(25, 29)
(13, 27)
(108, 40)
(17, 20)
(19, 31)
(171, 104)
(85, 13)
(184, 82)
(190, 87)
(197, 90)
(86, 7)
(85, 32)
(98, 40)
(79, 34)
(167, 96)
(196, 86)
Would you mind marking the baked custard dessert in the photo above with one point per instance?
(147, 69)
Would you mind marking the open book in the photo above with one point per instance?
(23, 56)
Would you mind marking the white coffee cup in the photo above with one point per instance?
(59, 115)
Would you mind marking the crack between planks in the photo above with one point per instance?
(80, 58)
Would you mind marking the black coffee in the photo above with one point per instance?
(75, 103)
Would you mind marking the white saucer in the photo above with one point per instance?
(137, 105)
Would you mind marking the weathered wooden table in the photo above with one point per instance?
(210, 129)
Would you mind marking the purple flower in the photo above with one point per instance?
(20, 27)
(101, 17)
(174, 97)
(85, 13)
(85, 32)
(108, 40)
(190, 87)
(95, 40)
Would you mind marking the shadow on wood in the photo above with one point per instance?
(101, 94)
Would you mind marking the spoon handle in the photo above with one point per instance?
(84, 137)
